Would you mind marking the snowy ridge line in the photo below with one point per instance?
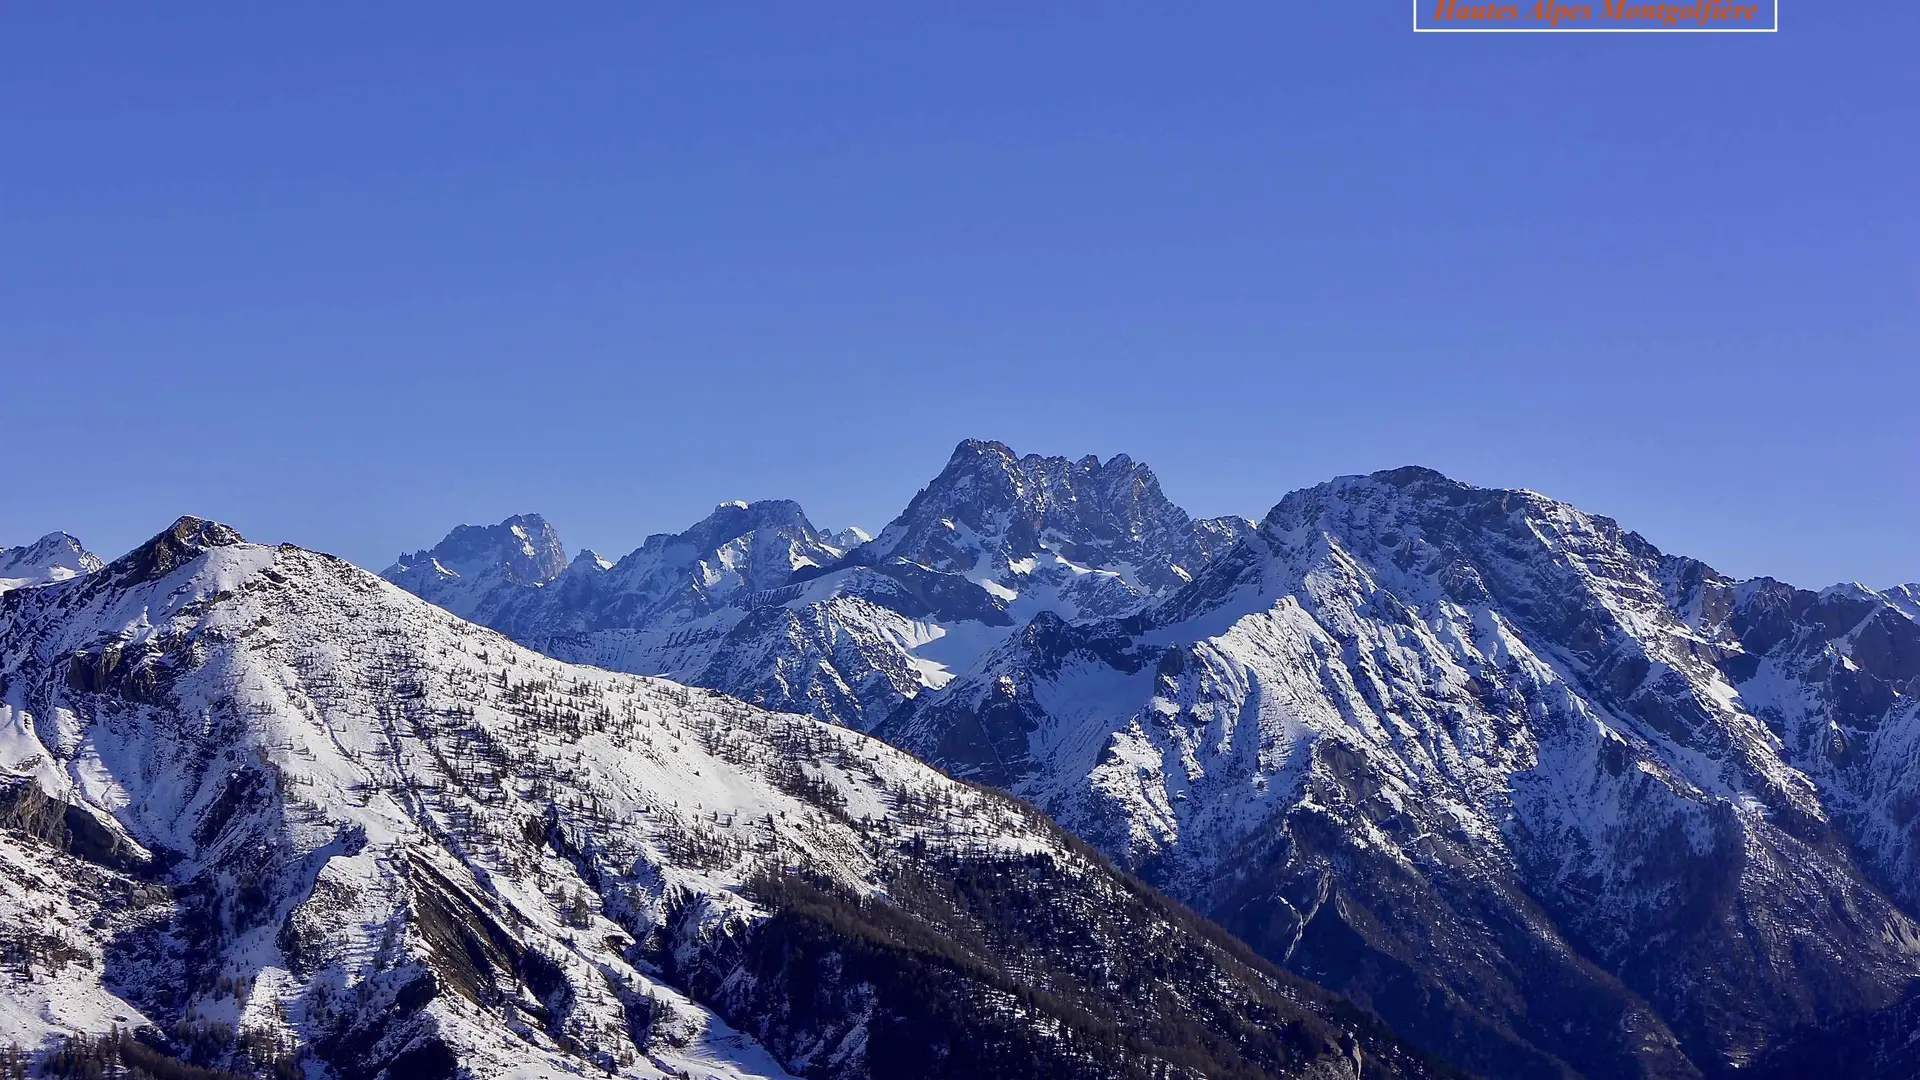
(1579, 755)
(54, 557)
(1533, 714)
(835, 630)
(390, 842)
(1446, 749)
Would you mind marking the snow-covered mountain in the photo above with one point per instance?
(756, 602)
(1493, 765)
(1550, 800)
(479, 569)
(53, 557)
(1081, 538)
(278, 814)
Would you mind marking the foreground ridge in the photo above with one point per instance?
(271, 811)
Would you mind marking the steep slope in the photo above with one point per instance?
(53, 557)
(757, 603)
(1548, 799)
(1883, 1044)
(283, 812)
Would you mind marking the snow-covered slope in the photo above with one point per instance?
(757, 603)
(1493, 764)
(1546, 797)
(53, 557)
(258, 798)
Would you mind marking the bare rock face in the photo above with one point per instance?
(261, 811)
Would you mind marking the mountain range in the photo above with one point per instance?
(1551, 801)
(282, 818)
(1454, 778)
(757, 602)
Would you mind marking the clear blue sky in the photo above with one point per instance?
(347, 275)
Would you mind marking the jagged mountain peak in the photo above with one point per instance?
(1906, 598)
(1036, 478)
(523, 549)
(969, 451)
(848, 538)
(732, 520)
(973, 454)
(741, 546)
(754, 600)
(990, 508)
(1408, 486)
(51, 545)
(1609, 726)
(56, 556)
(178, 544)
(476, 569)
(1425, 516)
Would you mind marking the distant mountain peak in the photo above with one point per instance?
(524, 549)
(753, 600)
(56, 556)
(56, 545)
(972, 455)
(989, 506)
(734, 519)
(1409, 475)
(975, 449)
(849, 538)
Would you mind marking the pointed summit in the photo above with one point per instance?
(54, 557)
(180, 543)
(523, 549)
(992, 509)
(848, 538)
(479, 567)
(741, 547)
(732, 520)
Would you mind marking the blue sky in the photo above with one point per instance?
(346, 275)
